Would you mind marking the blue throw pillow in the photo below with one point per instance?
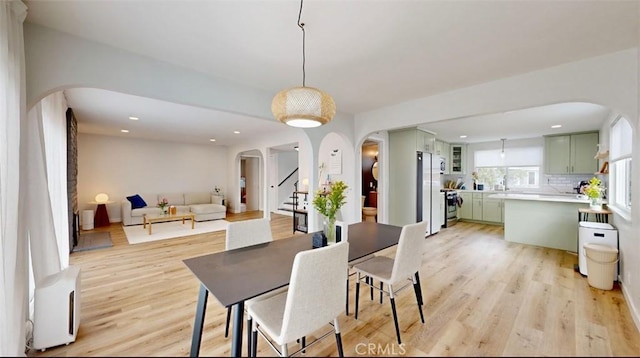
(136, 201)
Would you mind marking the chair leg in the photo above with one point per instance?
(249, 334)
(395, 314)
(226, 328)
(339, 344)
(304, 344)
(370, 282)
(254, 340)
(381, 292)
(357, 293)
(416, 288)
(284, 352)
(338, 337)
(346, 304)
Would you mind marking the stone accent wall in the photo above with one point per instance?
(72, 178)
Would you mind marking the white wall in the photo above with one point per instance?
(336, 143)
(287, 162)
(123, 167)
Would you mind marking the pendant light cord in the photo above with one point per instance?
(301, 25)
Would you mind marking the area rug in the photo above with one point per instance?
(136, 234)
(93, 241)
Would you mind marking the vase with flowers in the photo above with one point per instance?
(474, 176)
(594, 192)
(163, 204)
(327, 202)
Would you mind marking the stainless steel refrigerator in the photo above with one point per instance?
(428, 187)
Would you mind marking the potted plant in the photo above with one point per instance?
(327, 202)
(594, 192)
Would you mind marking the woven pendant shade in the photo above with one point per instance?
(303, 107)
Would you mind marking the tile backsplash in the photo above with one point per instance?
(549, 183)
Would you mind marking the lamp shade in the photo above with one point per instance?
(303, 107)
(102, 198)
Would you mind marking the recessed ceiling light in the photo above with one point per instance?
(556, 126)
(236, 132)
(463, 136)
(212, 140)
(124, 130)
(133, 118)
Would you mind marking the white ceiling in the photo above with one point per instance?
(366, 54)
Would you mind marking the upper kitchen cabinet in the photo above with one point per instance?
(424, 141)
(571, 153)
(443, 149)
(458, 158)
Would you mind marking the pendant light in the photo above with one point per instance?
(303, 107)
(502, 152)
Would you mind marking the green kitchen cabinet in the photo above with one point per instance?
(466, 210)
(571, 153)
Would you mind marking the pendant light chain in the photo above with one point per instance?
(303, 107)
(301, 25)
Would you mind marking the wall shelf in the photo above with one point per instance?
(300, 216)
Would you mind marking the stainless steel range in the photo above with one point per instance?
(451, 207)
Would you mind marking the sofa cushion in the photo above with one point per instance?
(207, 208)
(173, 198)
(217, 199)
(149, 210)
(197, 198)
(136, 201)
(182, 209)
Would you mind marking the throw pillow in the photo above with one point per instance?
(136, 201)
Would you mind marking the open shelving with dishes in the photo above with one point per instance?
(604, 169)
(458, 157)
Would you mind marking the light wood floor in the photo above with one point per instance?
(483, 297)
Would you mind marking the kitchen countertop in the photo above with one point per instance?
(564, 198)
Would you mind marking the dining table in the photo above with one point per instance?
(235, 276)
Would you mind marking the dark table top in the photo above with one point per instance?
(237, 275)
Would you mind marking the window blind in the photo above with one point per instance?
(514, 157)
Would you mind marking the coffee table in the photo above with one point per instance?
(149, 219)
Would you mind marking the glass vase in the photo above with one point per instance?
(329, 230)
(595, 203)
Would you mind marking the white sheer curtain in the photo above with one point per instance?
(13, 251)
(54, 129)
(38, 212)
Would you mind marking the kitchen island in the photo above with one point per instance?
(546, 220)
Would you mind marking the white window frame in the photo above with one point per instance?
(620, 168)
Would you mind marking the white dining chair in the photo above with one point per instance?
(315, 298)
(242, 234)
(391, 271)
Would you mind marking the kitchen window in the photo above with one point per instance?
(621, 139)
(513, 177)
(518, 168)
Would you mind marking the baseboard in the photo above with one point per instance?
(635, 314)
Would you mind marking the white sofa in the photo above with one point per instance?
(204, 205)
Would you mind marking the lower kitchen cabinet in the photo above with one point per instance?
(465, 211)
(492, 210)
(479, 207)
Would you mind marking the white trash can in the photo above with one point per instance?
(87, 219)
(602, 261)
